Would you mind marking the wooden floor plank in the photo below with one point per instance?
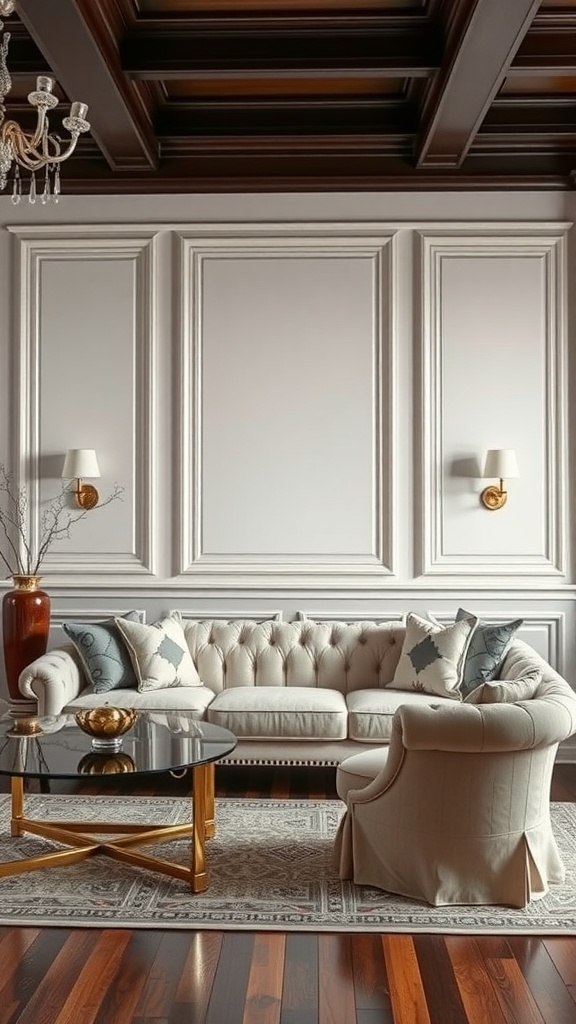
(231, 979)
(125, 989)
(373, 1017)
(512, 992)
(478, 997)
(197, 978)
(48, 972)
(542, 977)
(404, 980)
(160, 987)
(562, 952)
(336, 980)
(281, 785)
(564, 782)
(265, 981)
(300, 991)
(14, 945)
(91, 985)
(370, 981)
(443, 997)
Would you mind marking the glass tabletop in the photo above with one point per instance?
(157, 742)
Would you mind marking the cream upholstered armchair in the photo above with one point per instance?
(460, 810)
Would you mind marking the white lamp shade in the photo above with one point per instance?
(80, 463)
(501, 463)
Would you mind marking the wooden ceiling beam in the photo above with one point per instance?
(343, 100)
(74, 39)
(485, 37)
(169, 53)
(331, 170)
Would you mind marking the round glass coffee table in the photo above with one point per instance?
(56, 748)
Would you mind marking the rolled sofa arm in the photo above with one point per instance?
(488, 728)
(53, 680)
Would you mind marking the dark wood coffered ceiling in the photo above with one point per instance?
(262, 95)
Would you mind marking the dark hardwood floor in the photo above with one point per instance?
(117, 976)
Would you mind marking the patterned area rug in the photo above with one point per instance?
(269, 870)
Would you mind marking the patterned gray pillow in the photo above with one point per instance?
(432, 658)
(486, 652)
(103, 653)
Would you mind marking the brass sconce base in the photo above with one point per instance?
(86, 497)
(493, 497)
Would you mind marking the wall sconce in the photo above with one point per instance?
(82, 462)
(500, 462)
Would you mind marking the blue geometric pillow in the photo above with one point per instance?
(488, 645)
(103, 653)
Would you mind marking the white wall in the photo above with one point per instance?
(294, 392)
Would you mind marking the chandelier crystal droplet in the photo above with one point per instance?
(41, 149)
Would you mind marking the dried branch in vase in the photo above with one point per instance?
(17, 555)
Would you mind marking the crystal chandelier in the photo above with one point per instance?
(41, 149)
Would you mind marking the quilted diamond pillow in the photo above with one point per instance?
(432, 658)
(488, 645)
(507, 691)
(159, 654)
(102, 652)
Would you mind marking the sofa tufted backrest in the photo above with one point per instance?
(342, 656)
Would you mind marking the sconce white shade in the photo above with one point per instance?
(501, 463)
(79, 463)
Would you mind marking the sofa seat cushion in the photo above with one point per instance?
(281, 712)
(359, 770)
(370, 712)
(181, 698)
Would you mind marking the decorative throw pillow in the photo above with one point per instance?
(103, 653)
(488, 646)
(159, 653)
(507, 691)
(432, 657)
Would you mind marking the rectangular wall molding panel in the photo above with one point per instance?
(493, 354)
(287, 408)
(85, 358)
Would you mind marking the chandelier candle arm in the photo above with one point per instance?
(42, 148)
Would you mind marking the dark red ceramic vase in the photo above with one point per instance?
(25, 628)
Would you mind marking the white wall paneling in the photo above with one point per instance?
(366, 615)
(87, 615)
(86, 378)
(287, 405)
(295, 391)
(225, 613)
(493, 375)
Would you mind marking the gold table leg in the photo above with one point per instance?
(210, 814)
(75, 834)
(200, 786)
(17, 791)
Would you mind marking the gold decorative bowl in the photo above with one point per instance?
(106, 763)
(106, 725)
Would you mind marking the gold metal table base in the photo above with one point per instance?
(76, 835)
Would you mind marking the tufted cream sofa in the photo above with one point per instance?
(302, 692)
